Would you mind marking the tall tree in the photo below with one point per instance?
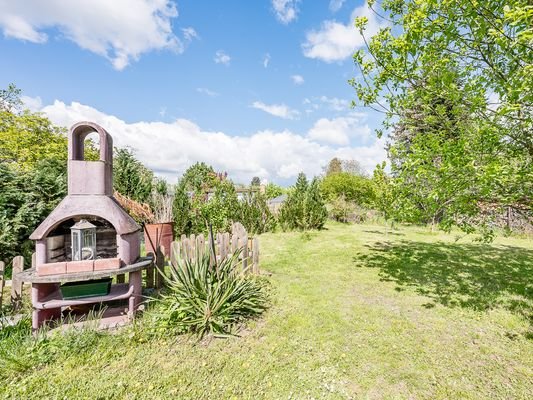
(33, 154)
(454, 81)
(130, 177)
(304, 208)
(334, 166)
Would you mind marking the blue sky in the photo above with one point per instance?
(251, 87)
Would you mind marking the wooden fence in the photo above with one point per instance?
(16, 284)
(188, 247)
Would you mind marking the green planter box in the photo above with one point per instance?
(79, 290)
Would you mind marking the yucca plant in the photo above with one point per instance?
(203, 297)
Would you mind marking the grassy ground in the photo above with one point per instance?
(355, 314)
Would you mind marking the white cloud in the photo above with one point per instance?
(335, 5)
(335, 41)
(222, 58)
(335, 103)
(330, 103)
(189, 34)
(266, 60)
(297, 79)
(286, 10)
(339, 131)
(278, 110)
(170, 148)
(119, 30)
(207, 92)
(32, 103)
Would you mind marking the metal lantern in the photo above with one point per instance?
(83, 235)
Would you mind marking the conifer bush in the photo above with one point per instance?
(304, 208)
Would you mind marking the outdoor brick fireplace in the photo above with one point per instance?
(90, 198)
(87, 238)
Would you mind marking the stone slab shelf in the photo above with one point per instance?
(54, 300)
(30, 275)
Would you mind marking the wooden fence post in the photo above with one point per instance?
(2, 281)
(255, 254)
(200, 246)
(160, 262)
(244, 243)
(234, 242)
(192, 245)
(174, 253)
(150, 274)
(16, 284)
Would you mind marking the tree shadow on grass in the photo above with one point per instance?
(473, 276)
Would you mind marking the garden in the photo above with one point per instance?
(353, 313)
(412, 280)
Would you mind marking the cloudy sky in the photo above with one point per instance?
(255, 88)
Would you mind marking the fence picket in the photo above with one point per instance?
(16, 284)
(226, 243)
(2, 281)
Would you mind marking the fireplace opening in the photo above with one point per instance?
(59, 241)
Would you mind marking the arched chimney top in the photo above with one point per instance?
(76, 140)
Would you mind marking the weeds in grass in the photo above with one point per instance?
(21, 351)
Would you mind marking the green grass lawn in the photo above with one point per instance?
(355, 314)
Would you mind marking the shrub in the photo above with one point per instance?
(354, 188)
(304, 208)
(272, 190)
(204, 195)
(341, 210)
(26, 198)
(209, 299)
(254, 214)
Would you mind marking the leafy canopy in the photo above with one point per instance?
(454, 79)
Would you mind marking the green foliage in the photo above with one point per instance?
(457, 83)
(218, 206)
(315, 208)
(383, 200)
(209, 299)
(253, 213)
(272, 190)
(32, 178)
(334, 166)
(199, 177)
(130, 177)
(28, 138)
(255, 181)
(304, 208)
(457, 304)
(10, 98)
(203, 195)
(159, 185)
(341, 209)
(352, 188)
(181, 210)
(20, 351)
(25, 200)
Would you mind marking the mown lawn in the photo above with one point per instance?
(355, 314)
